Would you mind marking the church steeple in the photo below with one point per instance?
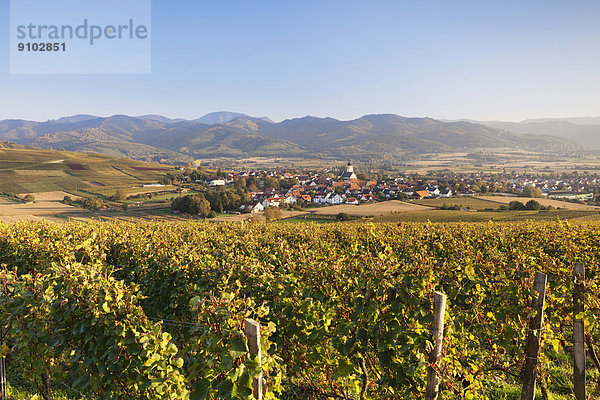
(349, 173)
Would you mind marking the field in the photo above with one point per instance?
(369, 210)
(475, 203)
(46, 207)
(494, 202)
(484, 216)
(545, 202)
(155, 310)
(500, 160)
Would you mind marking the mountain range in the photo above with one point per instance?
(582, 130)
(226, 134)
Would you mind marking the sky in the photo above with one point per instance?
(482, 60)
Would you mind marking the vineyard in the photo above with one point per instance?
(157, 310)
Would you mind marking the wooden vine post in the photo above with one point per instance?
(437, 331)
(579, 332)
(534, 337)
(252, 332)
(3, 378)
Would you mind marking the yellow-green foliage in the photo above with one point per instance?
(330, 297)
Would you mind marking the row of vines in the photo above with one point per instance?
(156, 310)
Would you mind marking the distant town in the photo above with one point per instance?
(261, 189)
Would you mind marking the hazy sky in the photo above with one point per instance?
(502, 60)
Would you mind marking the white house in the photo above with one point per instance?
(216, 182)
(290, 199)
(446, 193)
(433, 191)
(252, 206)
(334, 198)
(273, 201)
(320, 198)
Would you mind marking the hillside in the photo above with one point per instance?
(26, 169)
(160, 139)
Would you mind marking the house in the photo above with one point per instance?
(354, 186)
(273, 201)
(433, 191)
(290, 199)
(352, 200)
(302, 179)
(368, 197)
(468, 192)
(215, 182)
(420, 194)
(446, 193)
(252, 206)
(320, 198)
(334, 198)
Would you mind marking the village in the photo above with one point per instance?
(325, 188)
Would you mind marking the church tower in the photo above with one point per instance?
(349, 173)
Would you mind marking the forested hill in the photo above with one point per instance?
(157, 138)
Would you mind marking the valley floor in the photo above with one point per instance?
(49, 206)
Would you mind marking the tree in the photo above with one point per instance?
(197, 204)
(401, 196)
(223, 199)
(240, 184)
(271, 183)
(343, 217)
(120, 195)
(531, 191)
(533, 205)
(287, 183)
(272, 213)
(67, 199)
(92, 203)
(192, 204)
(516, 205)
